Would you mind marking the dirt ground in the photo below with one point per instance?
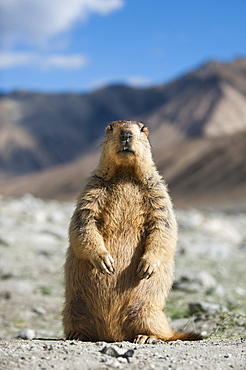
(208, 294)
(43, 354)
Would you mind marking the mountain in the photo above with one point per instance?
(198, 132)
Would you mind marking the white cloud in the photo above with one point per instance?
(37, 21)
(45, 62)
(15, 59)
(73, 61)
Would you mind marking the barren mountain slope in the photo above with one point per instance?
(210, 101)
(200, 172)
(197, 125)
(49, 130)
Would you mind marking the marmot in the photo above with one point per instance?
(123, 233)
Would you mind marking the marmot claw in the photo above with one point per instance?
(104, 263)
(146, 268)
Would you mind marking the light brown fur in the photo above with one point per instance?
(123, 234)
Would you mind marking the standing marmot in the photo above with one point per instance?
(123, 234)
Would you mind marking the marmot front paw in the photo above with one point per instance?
(103, 262)
(147, 267)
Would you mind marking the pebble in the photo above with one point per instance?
(240, 291)
(114, 363)
(194, 282)
(111, 351)
(204, 307)
(122, 360)
(4, 242)
(219, 290)
(28, 334)
(39, 310)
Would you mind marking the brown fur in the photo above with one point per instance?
(123, 234)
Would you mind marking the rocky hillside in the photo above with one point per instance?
(197, 125)
(208, 294)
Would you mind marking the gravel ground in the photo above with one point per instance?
(43, 354)
(208, 294)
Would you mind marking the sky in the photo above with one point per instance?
(82, 45)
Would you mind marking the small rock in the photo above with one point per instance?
(152, 366)
(240, 291)
(6, 295)
(48, 347)
(4, 242)
(203, 307)
(6, 276)
(228, 355)
(110, 351)
(128, 354)
(114, 363)
(206, 280)
(122, 360)
(39, 310)
(195, 282)
(218, 290)
(27, 334)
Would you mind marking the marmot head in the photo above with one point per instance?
(126, 144)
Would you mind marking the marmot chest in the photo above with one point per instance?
(123, 212)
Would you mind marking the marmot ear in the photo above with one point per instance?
(109, 128)
(145, 130)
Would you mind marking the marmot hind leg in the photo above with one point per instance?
(77, 336)
(146, 322)
(143, 339)
(155, 326)
(73, 329)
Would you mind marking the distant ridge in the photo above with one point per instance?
(197, 125)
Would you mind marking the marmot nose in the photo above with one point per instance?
(126, 135)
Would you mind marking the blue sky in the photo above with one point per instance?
(81, 45)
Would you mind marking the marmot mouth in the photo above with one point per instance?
(126, 148)
(126, 151)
